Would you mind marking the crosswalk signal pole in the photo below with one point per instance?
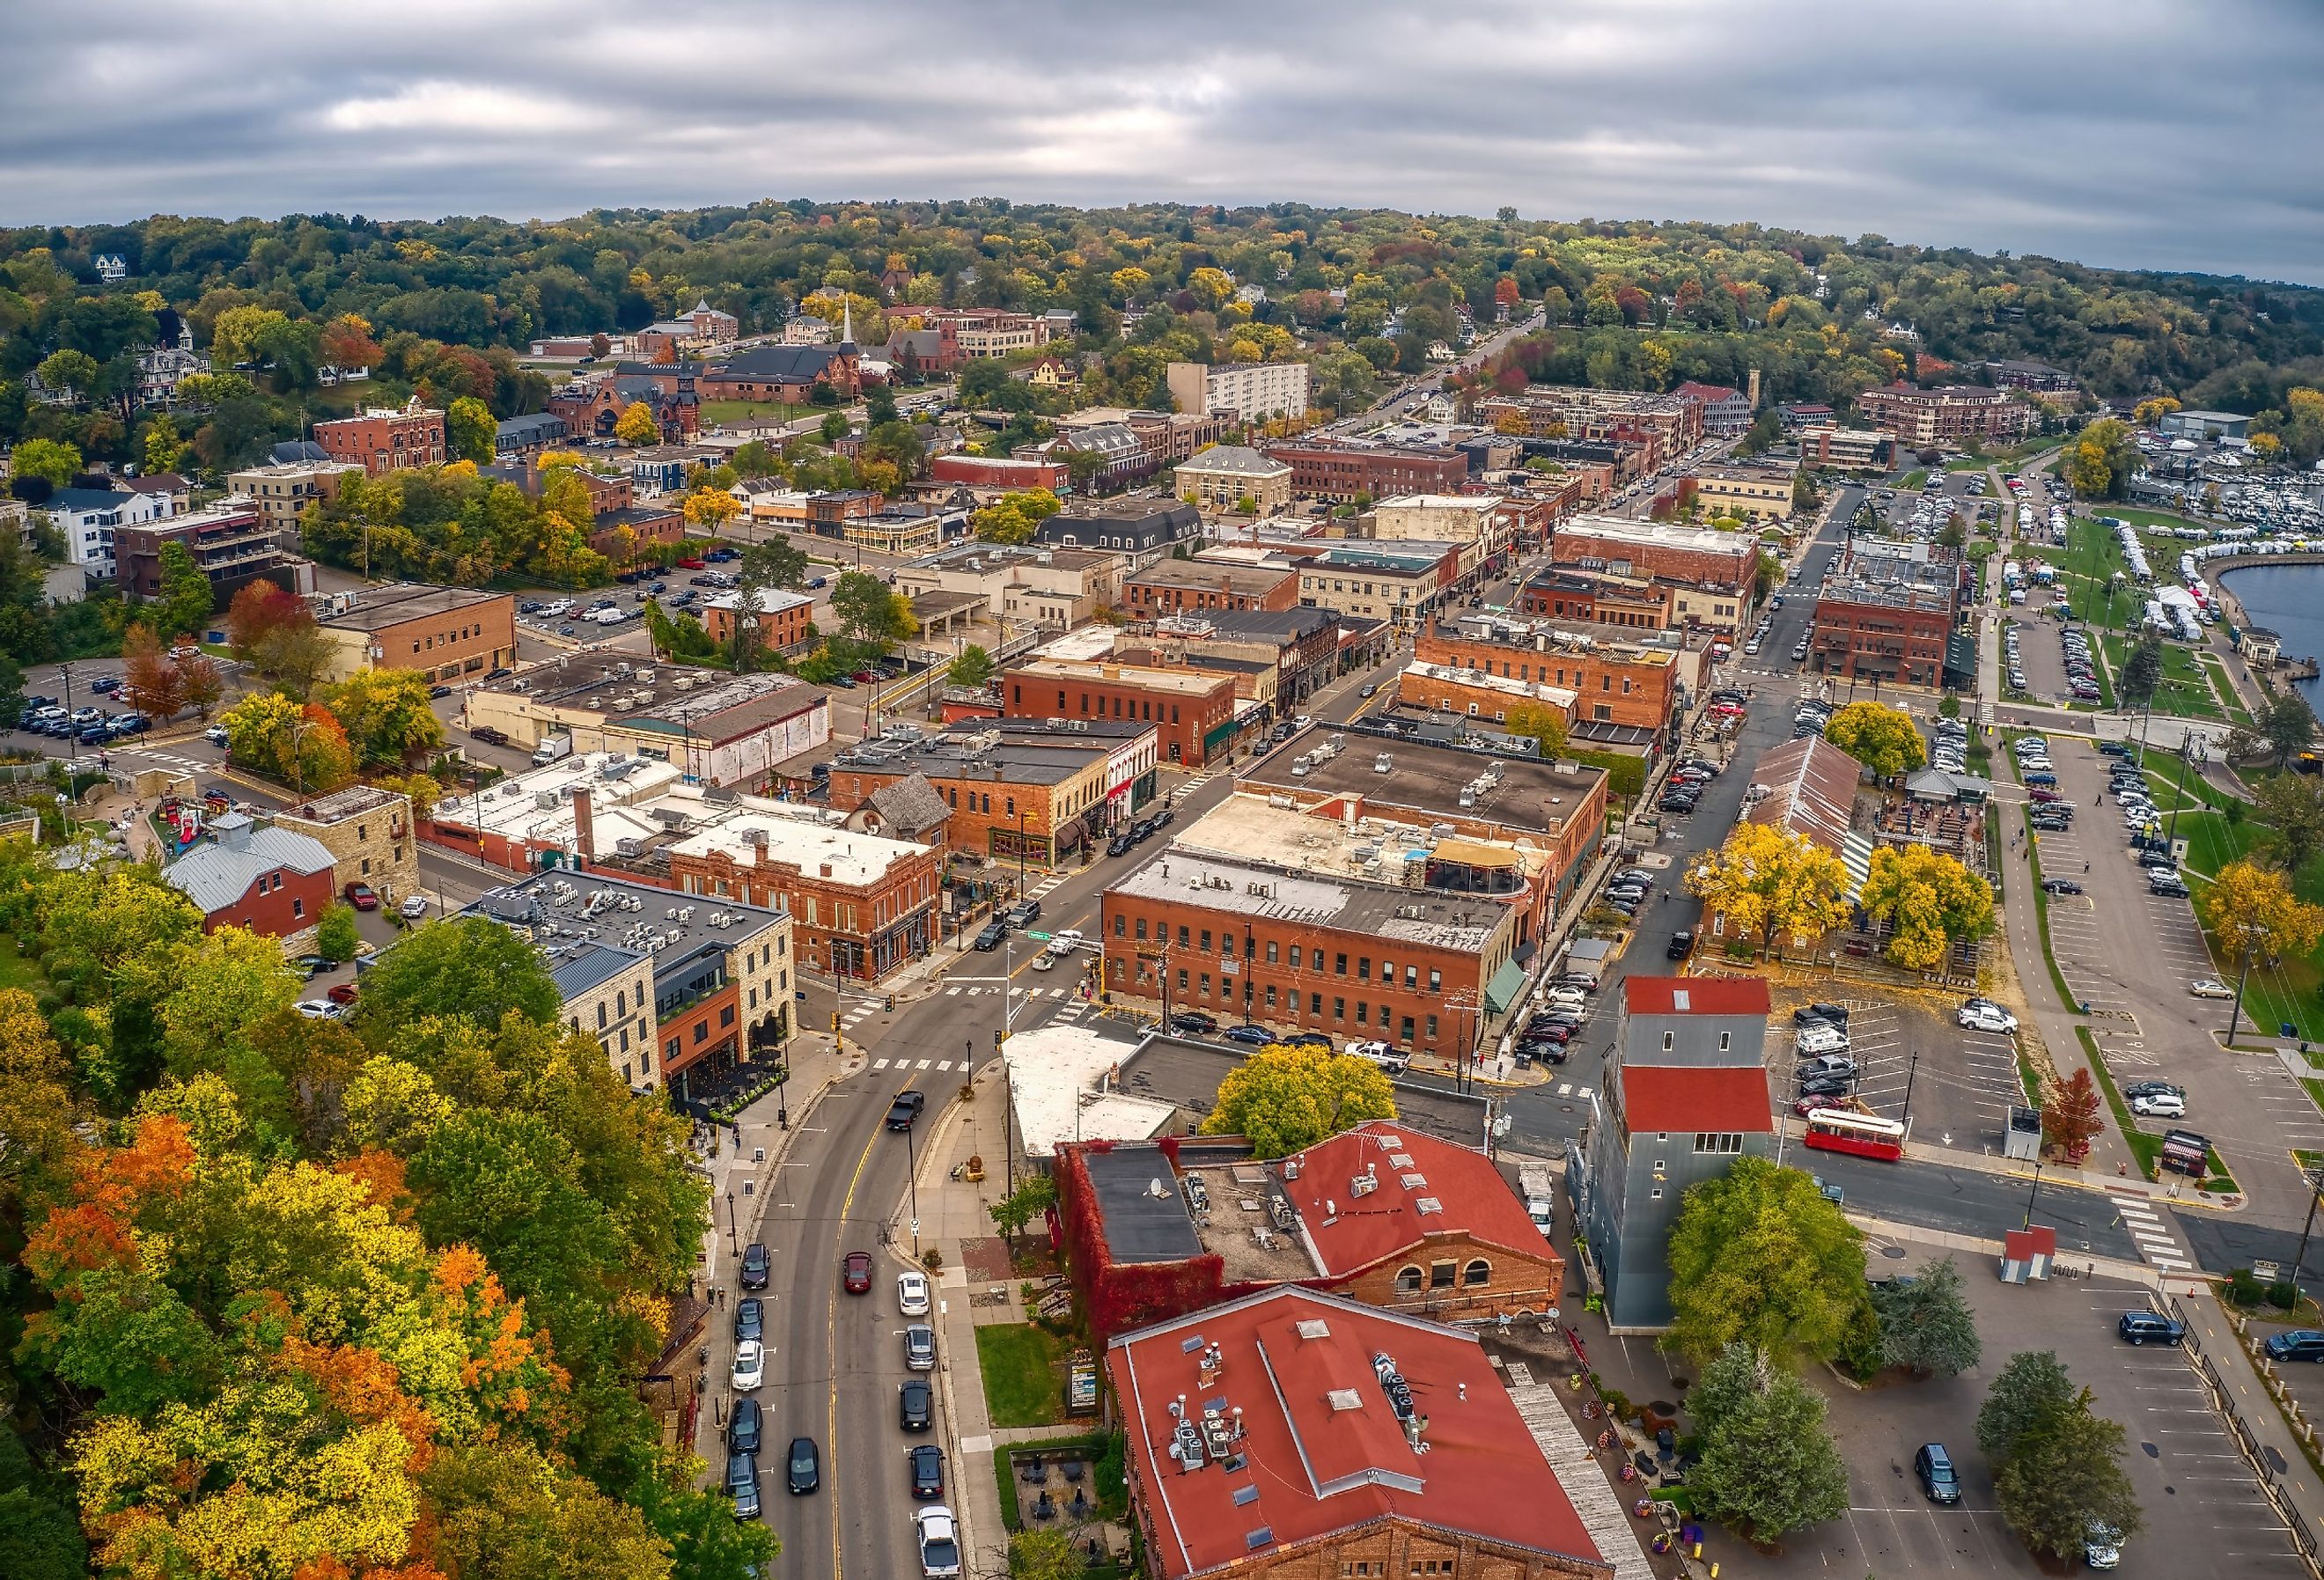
(836, 1045)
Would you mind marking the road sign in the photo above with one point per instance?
(1039, 938)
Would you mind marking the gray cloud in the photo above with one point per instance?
(2150, 132)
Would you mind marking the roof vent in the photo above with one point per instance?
(1345, 1399)
(1253, 1541)
(1414, 1181)
(1245, 1496)
(1429, 1203)
(1679, 1001)
(1314, 1327)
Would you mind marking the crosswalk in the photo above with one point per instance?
(2153, 1237)
(919, 1064)
(973, 990)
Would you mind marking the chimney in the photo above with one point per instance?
(584, 827)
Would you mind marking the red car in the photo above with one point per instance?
(361, 896)
(342, 993)
(870, 677)
(690, 564)
(855, 1272)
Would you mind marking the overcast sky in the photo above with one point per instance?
(2135, 134)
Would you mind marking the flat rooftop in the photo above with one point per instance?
(1546, 635)
(341, 805)
(376, 608)
(809, 838)
(1060, 1088)
(1211, 576)
(974, 559)
(1251, 827)
(609, 684)
(577, 920)
(536, 806)
(1560, 697)
(1184, 682)
(982, 755)
(1425, 780)
(1622, 528)
(1187, 874)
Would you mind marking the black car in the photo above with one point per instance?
(1142, 830)
(2062, 886)
(926, 1461)
(2153, 1089)
(805, 1465)
(1120, 844)
(1256, 1036)
(1547, 1052)
(1681, 945)
(1305, 1040)
(755, 1266)
(1831, 1015)
(1824, 1086)
(2146, 1327)
(750, 1319)
(436, 692)
(992, 936)
(915, 1405)
(905, 1109)
(1939, 1479)
(1193, 1024)
(1023, 914)
(743, 1484)
(743, 1426)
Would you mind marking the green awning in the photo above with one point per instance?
(1503, 990)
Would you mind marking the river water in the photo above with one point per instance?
(2289, 600)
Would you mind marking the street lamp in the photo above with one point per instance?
(733, 1240)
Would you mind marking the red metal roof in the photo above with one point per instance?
(1356, 1231)
(1695, 995)
(1323, 1449)
(1676, 1098)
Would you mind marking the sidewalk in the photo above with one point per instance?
(2243, 1385)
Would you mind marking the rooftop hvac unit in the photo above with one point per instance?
(755, 837)
(546, 800)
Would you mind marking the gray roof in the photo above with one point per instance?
(1239, 460)
(1139, 1226)
(911, 806)
(216, 874)
(805, 363)
(539, 423)
(299, 450)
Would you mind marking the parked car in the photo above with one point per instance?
(1193, 1024)
(926, 1461)
(920, 1347)
(750, 1317)
(750, 1366)
(743, 1481)
(2301, 1344)
(2210, 987)
(318, 1009)
(939, 1539)
(413, 908)
(2153, 1088)
(992, 936)
(1986, 1018)
(2062, 886)
(1023, 914)
(912, 1294)
(1939, 1479)
(1681, 945)
(1120, 844)
(341, 993)
(1256, 1036)
(2148, 1327)
(756, 1265)
(2162, 1105)
(915, 1405)
(743, 1426)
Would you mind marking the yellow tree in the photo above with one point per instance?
(1879, 736)
(2151, 411)
(1930, 898)
(1282, 1098)
(636, 425)
(1766, 881)
(710, 509)
(2254, 914)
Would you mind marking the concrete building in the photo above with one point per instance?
(1845, 449)
(1249, 391)
(1352, 1397)
(1297, 650)
(271, 882)
(1442, 518)
(1192, 713)
(386, 439)
(1403, 583)
(1946, 417)
(283, 490)
(1684, 1096)
(1015, 789)
(1223, 476)
(447, 634)
(2202, 426)
(368, 832)
(1760, 492)
(671, 993)
(1021, 584)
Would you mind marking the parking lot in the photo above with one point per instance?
(2205, 1513)
(1911, 1057)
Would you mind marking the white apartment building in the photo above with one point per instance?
(1247, 390)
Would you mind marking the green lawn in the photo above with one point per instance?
(2184, 692)
(1024, 1374)
(2151, 520)
(15, 971)
(1916, 478)
(752, 411)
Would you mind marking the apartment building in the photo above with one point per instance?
(386, 439)
(90, 519)
(1573, 597)
(1761, 492)
(1845, 449)
(782, 617)
(1248, 392)
(283, 490)
(1193, 712)
(1945, 416)
(1726, 411)
(1402, 583)
(1177, 587)
(1141, 530)
(444, 632)
(1023, 584)
(1015, 789)
(231, 543)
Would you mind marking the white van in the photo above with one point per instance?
(1821, 1036)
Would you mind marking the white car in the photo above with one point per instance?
(320, 1008)
(2210, 987)
(414, 907)
(1044, 961)
(939, 1540)
(750, 1366)
(2161, 1105)
(912, 1294)
(1987, 1018)
(1564, 998)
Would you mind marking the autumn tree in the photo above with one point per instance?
(1546, 726)
(1283, 1098)
(637, 425)
(345, 343)
(470, 431)
(2255, 915)
(2099, 461)
(2072, 1115)
(151, 674)
(870, 611)
(1015, 518)
(386, 714)
(301, 743)
(709, 509)
(275, 631)
(1767, 881)
(201, 683)
(1929, 899)
(1759, 1256)
(2153, 410)
(1881, 737)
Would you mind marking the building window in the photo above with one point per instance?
(1478, 1272)
(1122, 925)
(1656, 1193)
(1721, 1142)
(1341, 967)
(1316, 1005)
(1295, 956)
(1206, 940)
(1431, 1028)
(601, 1017)
(1141, 929)
(1182, 979)
(1270, 996)
(1363, 1013)
(1206, 984)
(1435, 981)
(297, 908)
(1725, 1038)
(1270, 951)
(1439, 1275)
(1668, 1039)
(1363, 968)
(1339, 1009)
(1407, 1280)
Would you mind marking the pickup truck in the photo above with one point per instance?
(905, 1109)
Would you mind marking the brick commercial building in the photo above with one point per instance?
(368, 832)
(1248, 392)
(1947, 416)
(1761, 492)
(1179, 586)
(1846, 450)
(1685, 1096)
(1631, 548)
(1576, 597)
(788, 375)
(231, 543)
(1283, 1434)
(626, 531)
(1013, 788)
(283, 491)
(1612, 683)
(386, 439)
(1192, 713)
(447, 634)
(1142, 530)
(1885, 617)
(272, 881)
(1477, 694)
(1321, 469)
(719, 729)
(1403, 584)
(783, 617)
(1660, 428)
(669, 999)
(1000, 473)
(1299, 649)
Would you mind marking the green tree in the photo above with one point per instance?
(2061, 1476)
(973, 667)
(334, 935)
(74, 372)
(1282, 1098)
(46, 458)
(894, 442)
(1015, 518)
(470, 431)
(1037, 1553)
(40, 1538)
(870, 611)
(1019, 1207)
(1760, 1257)
(1544, 725)
(2292, 805)
(187, 599)
(2031, 1385)
(707, 1542)
(1926, 1325)
(1881, 737)
(833, 427)
(2286, 725)
(468, 968)
(2142, 671)
(386, 714)
(1769, 1466)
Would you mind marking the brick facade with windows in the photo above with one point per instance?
(1610, 686)
(1192, 713)
(1633, 547)
(1339, 473)
(386, 439)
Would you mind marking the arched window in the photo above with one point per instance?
(1407, 1280)
(1479, 1272)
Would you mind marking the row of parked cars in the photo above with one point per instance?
(2081, 672)
(45, 716)
(1139, 832)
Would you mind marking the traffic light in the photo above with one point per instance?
(996, 1036)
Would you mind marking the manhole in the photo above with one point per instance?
(1893, 1253)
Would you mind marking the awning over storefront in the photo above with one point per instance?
(1502, 991)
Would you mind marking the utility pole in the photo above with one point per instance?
(2036, 1191)
(2315, 1177)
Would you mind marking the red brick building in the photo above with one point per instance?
(1179, 586)
(783, 617)
(386, 439)
(621, 534)
(1634, 548)
(1409, 1456)
(1192, 713)
(266, 881)
(861, 905)
(1004, 472)
(1886, 618)
(1573, 597)
(1342, 472)
(1622, 686)
(1947, 416)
